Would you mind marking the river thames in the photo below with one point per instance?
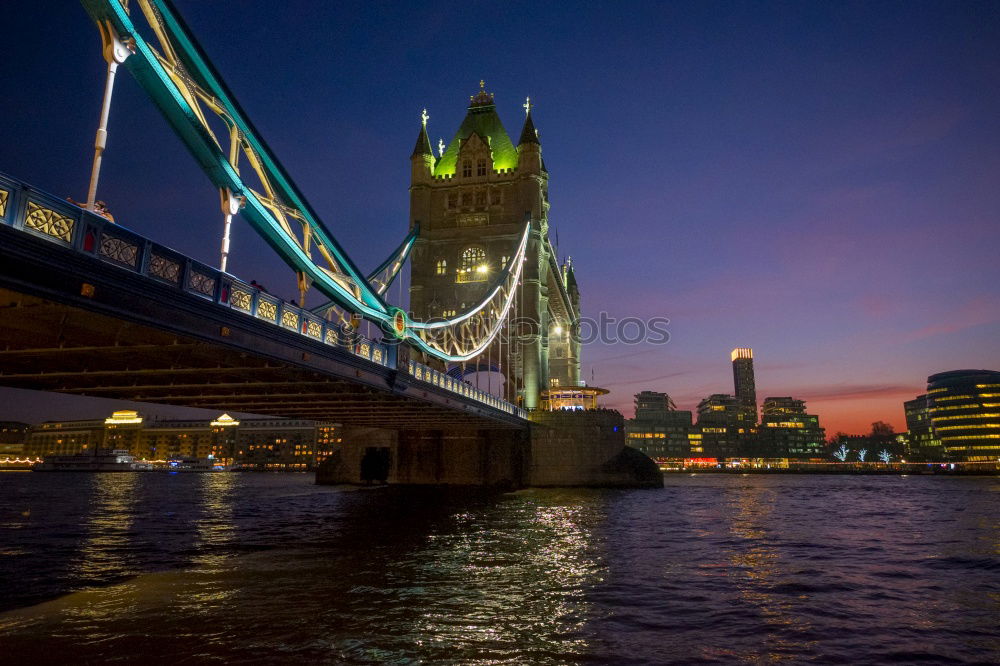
(268, 568)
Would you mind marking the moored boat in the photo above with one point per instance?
(101, 460)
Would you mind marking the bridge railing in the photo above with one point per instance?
(57, 221)
(443, 380)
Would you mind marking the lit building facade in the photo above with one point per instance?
(661, 431)
(719, 425)
(921, 444)
(571, 398)
(964, 409)
(745, 387)
(64, 438)
(472, 201)
(651, 405)
(787, 431)
(13, 432)
(258, 443)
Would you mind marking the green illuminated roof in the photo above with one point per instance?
(482, 119)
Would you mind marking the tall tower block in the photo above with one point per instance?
(745, 387)
(472, 200)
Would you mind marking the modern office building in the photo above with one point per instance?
(787, 431)
(745, 387)
(964, 408)
(719, 425)
(652, 405)
(921, 444)
(660, 430)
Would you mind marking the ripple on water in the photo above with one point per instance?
(251, 568)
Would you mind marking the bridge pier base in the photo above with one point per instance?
(582, 449)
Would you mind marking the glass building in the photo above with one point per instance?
(922, 445)
(964, 407)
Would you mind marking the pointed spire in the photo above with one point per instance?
(423, 146)
(528, 133)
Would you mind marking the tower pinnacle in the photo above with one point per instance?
(423, 145)
(528, 133)
(482, 98)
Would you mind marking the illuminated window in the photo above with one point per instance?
(466, 168)
(442, 267)
(481, 168)
(504, 259)
(448, 313)
(473, 267)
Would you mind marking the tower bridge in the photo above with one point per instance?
(91, 308)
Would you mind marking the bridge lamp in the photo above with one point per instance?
(557, 330)
(482, 268)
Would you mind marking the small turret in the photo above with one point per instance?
(422, 159)
(529, 148)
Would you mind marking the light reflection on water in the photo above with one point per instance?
(711, 569)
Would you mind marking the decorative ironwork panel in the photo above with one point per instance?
(377, 355)
(290, 319)
(241, 299)
(49, 222)
(4, 194)
(164, 268)
(267, 310)
(203, 284)
(331, 336)
(418, 373)
(364, 349)
(314, 330)
(119, 250)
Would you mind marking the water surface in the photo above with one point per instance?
(261, 568)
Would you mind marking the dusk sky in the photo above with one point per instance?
(817, 181)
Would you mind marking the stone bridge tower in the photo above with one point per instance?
(471, 202)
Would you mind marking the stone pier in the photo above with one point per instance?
(583, 449)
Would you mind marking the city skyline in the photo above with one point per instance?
(843, 232)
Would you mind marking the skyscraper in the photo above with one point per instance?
(746, 389)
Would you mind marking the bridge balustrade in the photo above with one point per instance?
(57, 221)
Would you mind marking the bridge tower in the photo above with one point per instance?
(471, 201)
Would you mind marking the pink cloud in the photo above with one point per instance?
(974, 313)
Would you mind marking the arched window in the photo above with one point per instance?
(442, 267)
(473, 267)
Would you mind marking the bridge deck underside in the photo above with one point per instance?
(50, 346)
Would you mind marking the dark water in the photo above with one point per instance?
(252, 568)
